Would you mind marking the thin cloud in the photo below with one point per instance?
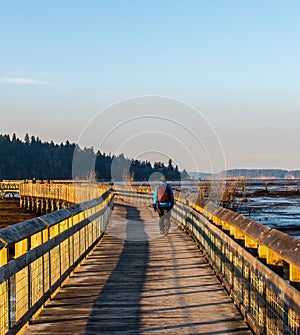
(23, 81)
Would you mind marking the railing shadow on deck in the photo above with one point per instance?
(119, 300)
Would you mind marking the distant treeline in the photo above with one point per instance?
(254, 174)
(263, 173)
(32, 158)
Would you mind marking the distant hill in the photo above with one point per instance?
(250, 174)
(262, 173)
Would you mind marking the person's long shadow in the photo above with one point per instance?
(117, 308)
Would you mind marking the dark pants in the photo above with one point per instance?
(164, 220)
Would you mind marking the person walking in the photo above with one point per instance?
(163, 202)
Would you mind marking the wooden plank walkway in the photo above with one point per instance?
(152, 286)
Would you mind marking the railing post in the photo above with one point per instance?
(262, 322)
(21, 282)
(11, 290)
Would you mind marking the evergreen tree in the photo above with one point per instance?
(27, 139)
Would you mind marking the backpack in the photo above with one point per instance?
(163, 193)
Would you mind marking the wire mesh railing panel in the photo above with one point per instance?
(4, 308)
(37, 288)
(54, 264)
(21, 293)
(64, 256)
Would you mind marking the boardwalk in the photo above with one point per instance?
(150, 286)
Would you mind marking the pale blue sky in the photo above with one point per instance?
(237, 62)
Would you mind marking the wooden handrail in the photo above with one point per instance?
(38, 255)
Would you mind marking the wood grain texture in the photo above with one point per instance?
(137, 282)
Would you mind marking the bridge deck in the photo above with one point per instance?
(153, 286)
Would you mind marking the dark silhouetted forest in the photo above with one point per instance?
(32, 158)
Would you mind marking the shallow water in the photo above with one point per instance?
(280, 212)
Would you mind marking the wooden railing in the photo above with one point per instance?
(9, 187)
(68, 192)
(259, 266)
(38, 255)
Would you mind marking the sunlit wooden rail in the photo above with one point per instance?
(258, 266)
(10, 187)
(45, 198)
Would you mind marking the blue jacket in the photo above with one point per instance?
(163, 204)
